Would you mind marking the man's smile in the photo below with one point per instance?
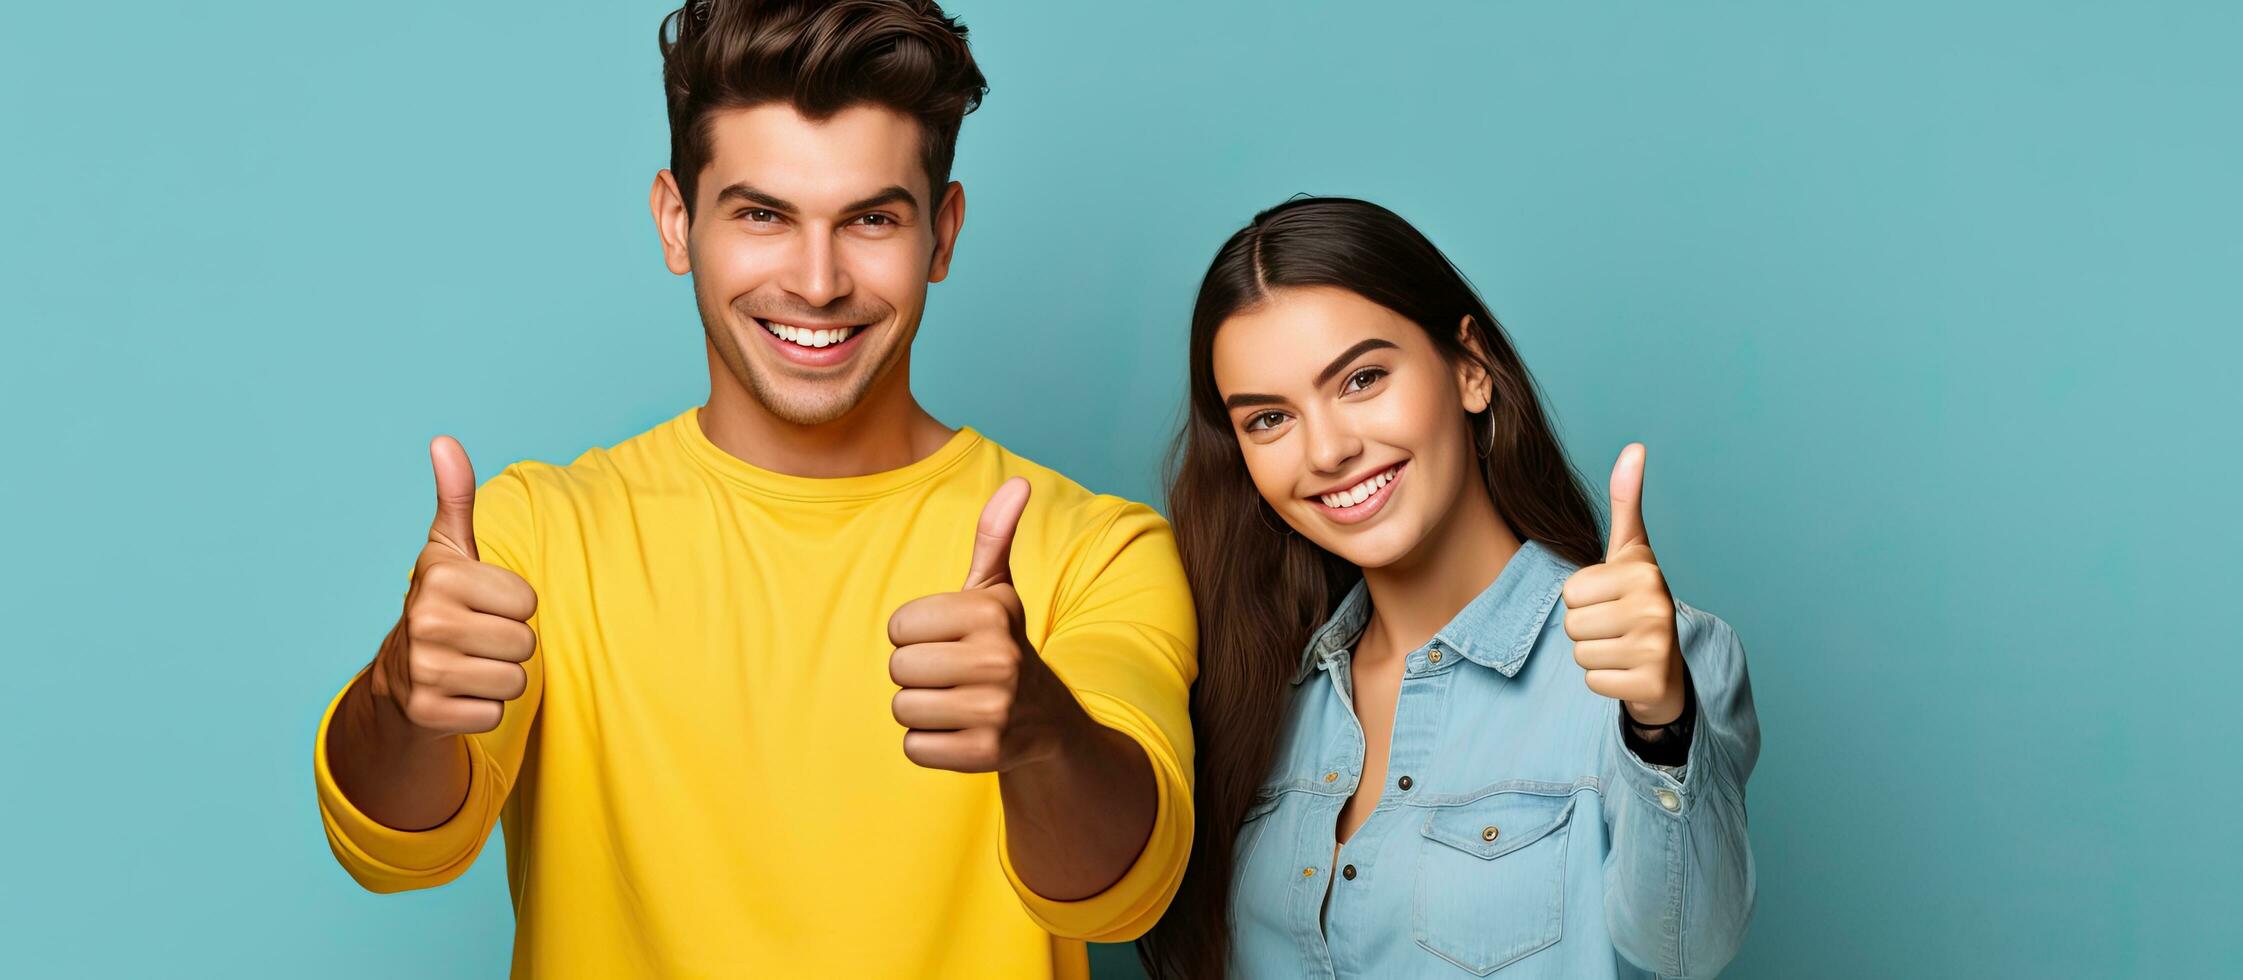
(813, 344)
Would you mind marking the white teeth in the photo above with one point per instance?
(1359, 492)
(809, 338)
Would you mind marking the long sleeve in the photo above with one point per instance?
(384, 859)
(1123, 637)
(1679, 885)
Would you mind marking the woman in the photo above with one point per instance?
(1414, 758)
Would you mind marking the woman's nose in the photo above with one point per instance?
(1331, 446)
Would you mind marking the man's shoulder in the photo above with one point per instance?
(1058, 490)
(1063, 511)
(601, 470)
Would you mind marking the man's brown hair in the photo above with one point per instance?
(820, 56)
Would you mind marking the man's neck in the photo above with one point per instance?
(886, 431)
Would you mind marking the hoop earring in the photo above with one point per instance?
(1489, 447)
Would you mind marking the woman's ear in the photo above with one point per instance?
(1472, 377)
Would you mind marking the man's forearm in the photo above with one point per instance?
(402, 778)
(1076, 819)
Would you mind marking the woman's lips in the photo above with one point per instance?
(1361, 511)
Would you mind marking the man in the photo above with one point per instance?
(801, 681)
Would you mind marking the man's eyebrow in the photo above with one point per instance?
(747, 192)
(1350, 354)
(891, 194)
(1243, 399)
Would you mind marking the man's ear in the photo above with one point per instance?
(950, 216)
(670, 222)
(1472, 380)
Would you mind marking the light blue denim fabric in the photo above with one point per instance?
(1529, 841)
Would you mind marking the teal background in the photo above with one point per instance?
(1927, 312)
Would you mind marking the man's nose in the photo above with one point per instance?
(815, 275)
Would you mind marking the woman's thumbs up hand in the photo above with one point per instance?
(1620, 614)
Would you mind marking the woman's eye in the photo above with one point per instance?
(1364, 379)
(1264, 420)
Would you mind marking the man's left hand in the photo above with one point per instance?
(975, 696)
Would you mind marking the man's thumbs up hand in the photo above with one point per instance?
(1620, 614)
(455, 657)
(974, 695)
(455, 497)
(1000, 517)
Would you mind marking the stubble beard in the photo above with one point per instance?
(824, 402)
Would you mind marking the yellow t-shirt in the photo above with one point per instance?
(703, 778)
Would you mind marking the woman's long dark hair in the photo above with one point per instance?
(1261, 590)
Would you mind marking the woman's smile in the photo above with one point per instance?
(1357, 502)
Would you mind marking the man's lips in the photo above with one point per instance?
(812, 344)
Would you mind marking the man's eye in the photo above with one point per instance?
(877, 220)
(1265, 420)
(1364, 379)
(760, 215)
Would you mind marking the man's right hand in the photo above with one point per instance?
(455, 657)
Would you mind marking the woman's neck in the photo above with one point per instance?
(1460, 557)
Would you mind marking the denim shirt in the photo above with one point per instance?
(1517, 835)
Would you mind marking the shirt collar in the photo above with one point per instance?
(1497, 629)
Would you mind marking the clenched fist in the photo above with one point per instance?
(455, 657)
(1620, 615)
(974, 695)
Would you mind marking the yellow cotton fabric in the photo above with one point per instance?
(703, 778)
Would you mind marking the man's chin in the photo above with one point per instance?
(807, 398)
(810, 387)
(803, 401)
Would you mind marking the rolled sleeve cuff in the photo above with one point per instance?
(385, 859)
(1660, 787)
(1128, 908)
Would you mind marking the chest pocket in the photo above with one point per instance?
(1251, 827)
(1491, 879)
(1257, 892)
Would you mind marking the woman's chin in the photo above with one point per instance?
(1372, 547)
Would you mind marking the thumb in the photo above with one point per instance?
(1627, 502)
(992, 563)
(455, 495)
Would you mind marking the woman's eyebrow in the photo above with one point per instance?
(1350, 354)
(1243, 399)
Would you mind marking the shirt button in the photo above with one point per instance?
(1331, 776)
(1308, 872)
(1489, 833)
(1403, 782)
(1435, 656)
(1670, 801)
(1348, 872)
